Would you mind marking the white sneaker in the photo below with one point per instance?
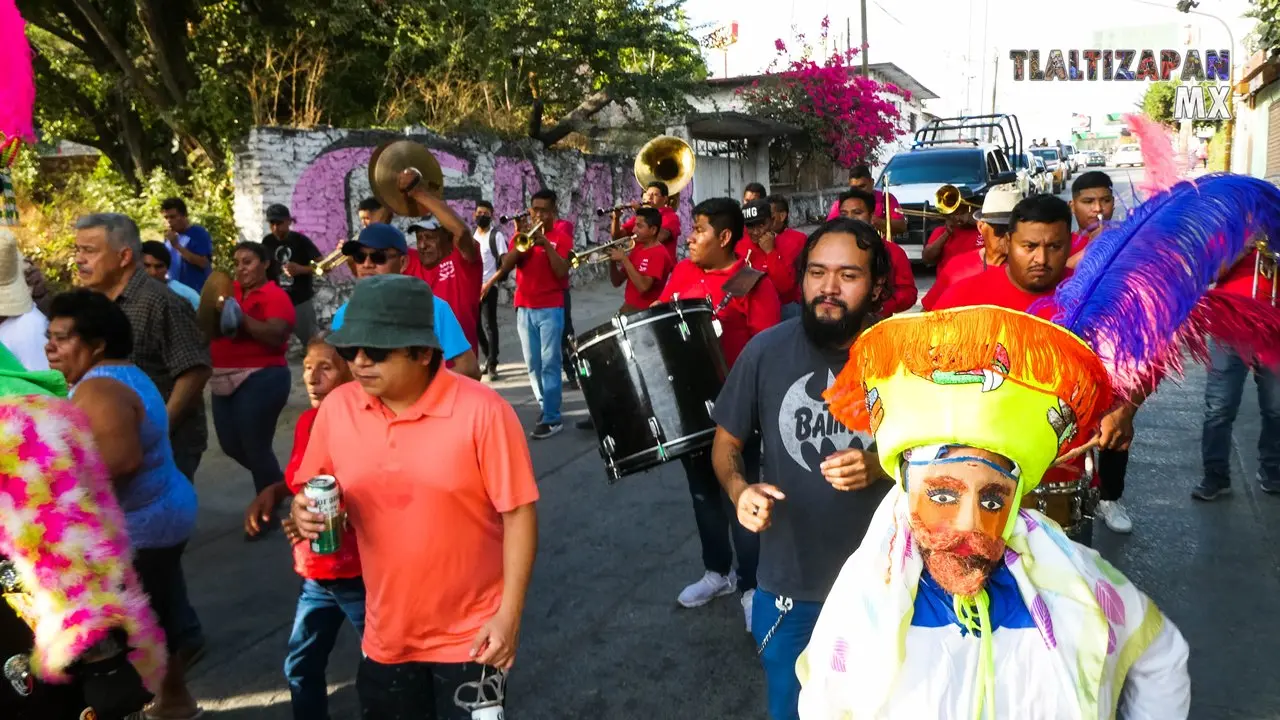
(1115, 516)
(711, 586)
(747, 598)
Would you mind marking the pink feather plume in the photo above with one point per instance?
(1159, 170)
(17, 78)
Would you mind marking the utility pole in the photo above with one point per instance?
(864, 39)
(995, 80)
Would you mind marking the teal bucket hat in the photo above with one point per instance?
(389, 312)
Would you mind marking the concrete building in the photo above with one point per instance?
(733, 147)
(1256, 150)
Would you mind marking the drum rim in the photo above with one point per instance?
(1067, 487)
(650, 450)
(590, 339)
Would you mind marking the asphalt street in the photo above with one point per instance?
(603, 636)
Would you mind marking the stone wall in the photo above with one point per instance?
(322, 175)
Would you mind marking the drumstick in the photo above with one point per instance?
(1070, 457)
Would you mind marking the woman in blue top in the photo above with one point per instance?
(90, 341)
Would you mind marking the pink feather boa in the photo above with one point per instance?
(17, 78)
(65, 533)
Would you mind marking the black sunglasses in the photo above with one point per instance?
(379, 257)
(375, 355)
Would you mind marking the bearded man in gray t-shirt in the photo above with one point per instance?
(821, 481)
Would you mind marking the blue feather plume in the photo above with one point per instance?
(1140, 280)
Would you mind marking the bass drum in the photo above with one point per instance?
(650, 380)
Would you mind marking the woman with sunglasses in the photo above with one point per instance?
(250, 383)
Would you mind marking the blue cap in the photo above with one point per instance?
(379, 236)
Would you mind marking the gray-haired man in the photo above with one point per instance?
(167, 346)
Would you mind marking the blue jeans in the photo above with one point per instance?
(322, 607)
(245, 422)
(784, 648)
(790, 310)
(717, 519)
(540, 336)
(1222, 393)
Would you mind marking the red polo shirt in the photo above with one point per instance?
(994, 287)
(267, 302)
(456, 280)
(961, 267)
(741, 318)
(654, 262)
(536, 284)
(670, 223)
(902, 280)
(962, 240)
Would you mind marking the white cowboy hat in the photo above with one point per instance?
(997, 206)
(15, 296)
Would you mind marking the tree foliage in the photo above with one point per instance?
(1266, 34)
(844, 115)
(1158, 102)
(173, 84)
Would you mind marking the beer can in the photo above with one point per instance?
(326, 499)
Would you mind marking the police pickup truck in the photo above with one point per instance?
(951, 151)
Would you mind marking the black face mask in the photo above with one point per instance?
(483, 222)
(831, 334)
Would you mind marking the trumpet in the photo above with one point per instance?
(600, 253)
(601, 212)
(504, 219)
(329, 262)
(523, 241)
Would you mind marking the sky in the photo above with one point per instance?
(950, 46)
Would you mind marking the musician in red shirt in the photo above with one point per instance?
(762, 250)
(993, 226)
(656, 197)
(958, 236)
(860, 179)
(1254, 275)
(448, 258)
(646, 268)
(1039, 245)
(791, 244)
(746, 307)
(902, 293)
(1093, 203)
(542, 276)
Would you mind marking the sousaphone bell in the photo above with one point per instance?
(389, 160)
(666, 159)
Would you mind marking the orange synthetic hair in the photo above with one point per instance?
(1041, 355)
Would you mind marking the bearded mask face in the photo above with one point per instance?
(960, 500)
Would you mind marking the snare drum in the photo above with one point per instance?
(1068, 496)
(650, 380)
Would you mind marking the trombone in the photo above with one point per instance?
(600, 253)
(947, 199)
(330, 262)
(523, 241)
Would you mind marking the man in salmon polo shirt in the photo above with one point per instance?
(447, 545)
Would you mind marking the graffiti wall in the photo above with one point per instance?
(322, 175)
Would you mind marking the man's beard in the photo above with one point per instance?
(961, 573)
(831, 333)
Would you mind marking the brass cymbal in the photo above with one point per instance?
(208, 317)
(385, 166)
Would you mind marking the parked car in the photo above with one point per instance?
(1129, 154)
(1034, 178)
(1053, 163)
(1069, 154)
(1095, 159)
